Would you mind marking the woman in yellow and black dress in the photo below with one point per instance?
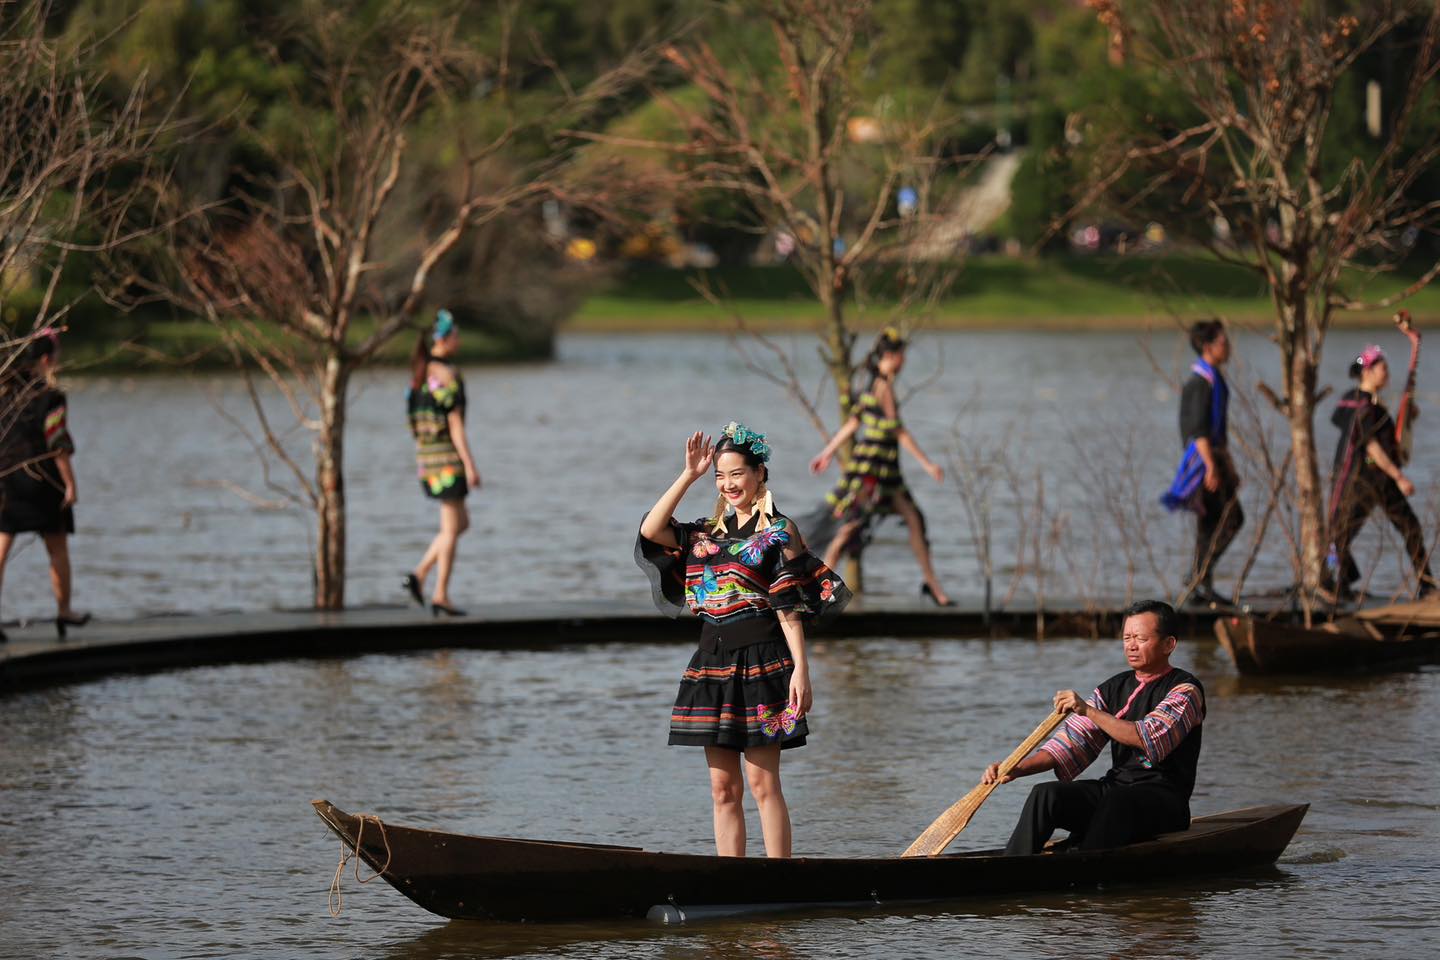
(435, 404)
(37, 480)
(870, 485)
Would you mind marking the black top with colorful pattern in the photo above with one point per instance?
(736, 577)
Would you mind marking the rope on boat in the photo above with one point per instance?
(336, 900)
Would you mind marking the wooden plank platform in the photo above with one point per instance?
(36, 656)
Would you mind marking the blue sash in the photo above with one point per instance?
(1185, 489)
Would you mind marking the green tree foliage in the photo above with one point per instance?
(1040, 69)
(245, 75)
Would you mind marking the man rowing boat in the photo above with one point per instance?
(1151, 715)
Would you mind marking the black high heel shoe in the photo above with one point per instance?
(925, 591)
(411, 583)
(74, 620)
(441, 610)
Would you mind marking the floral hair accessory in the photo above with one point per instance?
(743, 436)
(444, 325)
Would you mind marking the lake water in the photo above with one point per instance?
(167, 815)
(175, 513)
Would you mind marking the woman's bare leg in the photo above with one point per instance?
(727, 789)
(432, 554)
(842, 536)
(911, 515)
(762, 769)
(58, 546)
(454, 520)
(6, 541)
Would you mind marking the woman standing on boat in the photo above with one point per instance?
(746, 573)
(436, 406)
(870, 484)
(37, 481)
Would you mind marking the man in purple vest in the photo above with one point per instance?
(1151, 716)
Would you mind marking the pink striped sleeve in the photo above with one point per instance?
(1162, 729)
(1077, 744)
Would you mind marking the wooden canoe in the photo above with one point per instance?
(1380, 639)
(499, 878)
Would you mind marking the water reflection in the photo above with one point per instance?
(1159, 919)
(728, 940)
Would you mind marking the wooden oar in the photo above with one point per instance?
(948, 825)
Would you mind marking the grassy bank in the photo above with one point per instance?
(1056, 293)
(1061, 293)
(168, 346)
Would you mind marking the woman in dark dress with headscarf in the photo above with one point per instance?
(37, 481)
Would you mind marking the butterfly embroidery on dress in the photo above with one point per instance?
(827, 589)
(706, 587)
(773, 724)
(753, 550)
(705, 547)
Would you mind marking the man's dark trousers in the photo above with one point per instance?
(1099, 814)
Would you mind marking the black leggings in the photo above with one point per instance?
(1217, 526)
(1098, 815)
(1372, 489)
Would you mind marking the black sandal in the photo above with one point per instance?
(441, 610)
(412, 584)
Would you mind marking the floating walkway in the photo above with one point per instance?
(36, 656)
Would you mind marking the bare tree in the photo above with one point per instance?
(72, 162)
(69, 162)
(787, 131)
(1308, 209)
(295, 273)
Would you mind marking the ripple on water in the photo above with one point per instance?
(167, 815)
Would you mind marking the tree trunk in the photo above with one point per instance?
(330, 483)
(838, 346)
(1300, 376)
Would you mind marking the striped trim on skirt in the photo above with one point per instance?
(734, 699)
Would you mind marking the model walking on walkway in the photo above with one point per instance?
(1206, 481)
(37, 480)
(436, 407)
(870, 484)
(1368, 474)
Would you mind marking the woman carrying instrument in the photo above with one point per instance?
(1368, 474)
